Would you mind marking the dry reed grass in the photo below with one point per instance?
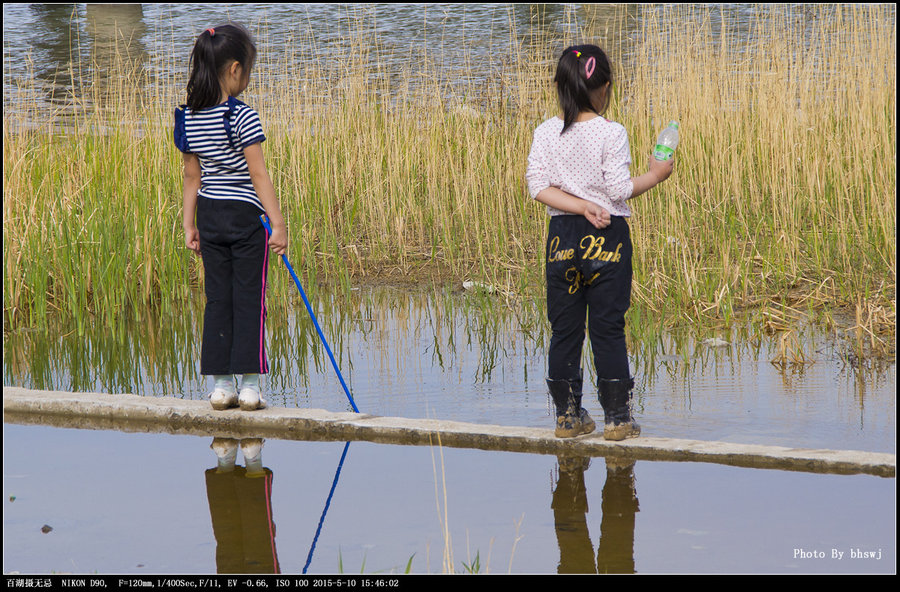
(784, 188)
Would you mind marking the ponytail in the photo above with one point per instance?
(581, 70)
(213, 51)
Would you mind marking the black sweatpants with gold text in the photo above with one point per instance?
(588, 274)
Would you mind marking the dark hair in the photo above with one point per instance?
(581, 70)
(214, 50)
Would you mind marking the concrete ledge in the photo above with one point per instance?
(133, 413)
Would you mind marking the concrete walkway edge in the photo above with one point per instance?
(133, 413)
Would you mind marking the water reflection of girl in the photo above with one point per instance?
(240, 505)
(579, 168)
(615, 549)
(227, 187)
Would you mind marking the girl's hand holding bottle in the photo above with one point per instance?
(661, 169)
(657, 172)
(663, 160)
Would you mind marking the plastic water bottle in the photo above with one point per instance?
(667, 142)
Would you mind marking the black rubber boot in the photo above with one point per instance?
(568, 420)
(587, 421)
(615, 398)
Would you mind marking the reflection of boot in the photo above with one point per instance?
(615, 551)
(251, 448)
(615, 398)
(226, 452)
(616, 464)
(573, 465)
(571, 418)
(570, 506)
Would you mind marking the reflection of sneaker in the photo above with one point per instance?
(226, 452)
(250, 399)
(223, 399)
(251, 448)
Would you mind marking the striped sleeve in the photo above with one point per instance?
(180, 133)
(247, 128)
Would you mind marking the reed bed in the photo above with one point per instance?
(783, 197)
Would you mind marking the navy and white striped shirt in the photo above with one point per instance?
(218, 136)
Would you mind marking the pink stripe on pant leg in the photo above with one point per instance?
(263, 367)
(269, 478)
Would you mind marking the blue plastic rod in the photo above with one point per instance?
(312, 315)
(337, 475)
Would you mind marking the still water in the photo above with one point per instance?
(123, 503)
(455, 355)
(82, 501)
(52, 46)
(151, 503)
(45, 43)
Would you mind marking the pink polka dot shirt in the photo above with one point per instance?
(591, 161)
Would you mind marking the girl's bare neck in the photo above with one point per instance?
(582, 116)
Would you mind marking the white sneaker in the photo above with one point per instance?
(223, 399)
(250, 400)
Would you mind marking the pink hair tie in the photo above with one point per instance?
(589, 67)
(212, 31)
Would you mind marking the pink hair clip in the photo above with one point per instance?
(589, 67)
(212, 31)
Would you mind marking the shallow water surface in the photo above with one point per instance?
(460, 356)
(155, 504)
(152, 503)
(54, 45)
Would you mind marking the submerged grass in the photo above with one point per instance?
(783, 197)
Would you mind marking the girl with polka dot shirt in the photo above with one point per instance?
(579, 168)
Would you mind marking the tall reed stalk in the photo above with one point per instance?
(783, 194)
(784, 187)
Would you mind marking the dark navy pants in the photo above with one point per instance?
(241, 511)
(588, 281)
(234, 246)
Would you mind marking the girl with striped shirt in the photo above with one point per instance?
(226, 188)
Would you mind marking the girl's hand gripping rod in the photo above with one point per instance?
(265, 222)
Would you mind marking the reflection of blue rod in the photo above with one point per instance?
(337, 475)
(313, 317)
